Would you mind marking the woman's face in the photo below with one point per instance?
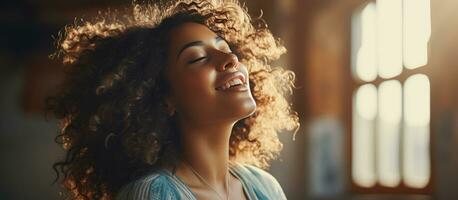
(208, 82)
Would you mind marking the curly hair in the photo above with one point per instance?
(115, 87)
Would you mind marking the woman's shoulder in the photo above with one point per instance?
(156, 185)
(256, 172)
(260, 179)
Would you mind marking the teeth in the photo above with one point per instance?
(236, 82)
(231, 83)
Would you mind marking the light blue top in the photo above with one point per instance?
(163, 185)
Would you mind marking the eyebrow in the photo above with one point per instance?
(197, 43)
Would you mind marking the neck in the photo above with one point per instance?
(206, 149)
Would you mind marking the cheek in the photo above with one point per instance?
(195, 87)
(198, 82)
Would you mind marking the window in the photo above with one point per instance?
(391, 97)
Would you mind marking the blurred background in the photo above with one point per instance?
(377, 95)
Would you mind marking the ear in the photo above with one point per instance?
(170, 106)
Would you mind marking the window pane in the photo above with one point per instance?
(417, 31)
(388, 133)
(363, 43)
(416, 163)
(364, 112)
(416, 94)
(389, 20)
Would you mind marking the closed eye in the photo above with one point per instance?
(197, 60)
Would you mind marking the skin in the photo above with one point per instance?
(205, 116)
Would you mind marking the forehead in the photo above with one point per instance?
(189, 32)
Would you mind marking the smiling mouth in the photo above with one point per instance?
(235, 79)
(231, 84)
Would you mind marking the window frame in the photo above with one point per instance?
(401, 188)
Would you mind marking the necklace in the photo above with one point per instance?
(206, 183)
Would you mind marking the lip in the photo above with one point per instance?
(238, 88)
(229, 76)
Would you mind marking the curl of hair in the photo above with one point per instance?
(115, 86)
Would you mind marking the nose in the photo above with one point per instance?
(229, 60)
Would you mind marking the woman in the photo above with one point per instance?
(176, 101)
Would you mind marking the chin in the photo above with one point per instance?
(246, 109)
(234, 109)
